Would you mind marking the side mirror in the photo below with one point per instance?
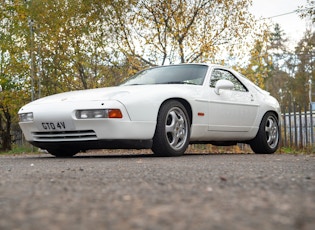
(223, 84)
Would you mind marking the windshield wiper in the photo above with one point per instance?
(132, 84)
(172, 82)
(179, 82)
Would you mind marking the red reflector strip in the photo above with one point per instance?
(201, 114)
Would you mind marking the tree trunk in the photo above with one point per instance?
(5, 131)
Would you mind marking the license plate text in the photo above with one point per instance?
(60, 125)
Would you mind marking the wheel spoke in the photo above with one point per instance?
(174, 141)
(272, 132)
(269, 126)
(171, 127)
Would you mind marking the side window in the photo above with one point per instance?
(219, 74)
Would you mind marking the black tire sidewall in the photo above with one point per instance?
(259, 143)
(161, 145)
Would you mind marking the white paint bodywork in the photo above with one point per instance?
(228, 116)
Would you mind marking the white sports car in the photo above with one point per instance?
(163, 108)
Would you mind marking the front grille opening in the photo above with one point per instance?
(82, 135)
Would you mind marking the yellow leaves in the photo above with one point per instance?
(11, 101)
(68, 32)
(260, 64)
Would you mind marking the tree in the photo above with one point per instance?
(13, 69)
(308, 10)
(277, 47)
(304, 64)
(277, 81)
(260, 62)
(71, 44)
(159, 32)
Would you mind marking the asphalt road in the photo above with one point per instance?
(130, 191)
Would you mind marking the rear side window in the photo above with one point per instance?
(220, 74)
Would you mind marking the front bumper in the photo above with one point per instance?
(100, 132)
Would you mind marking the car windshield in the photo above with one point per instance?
(176, 74)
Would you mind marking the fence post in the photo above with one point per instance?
(306, 125)
(312, 128)
(295, 126)
(284, 139)
(300, 127)
(290, 130)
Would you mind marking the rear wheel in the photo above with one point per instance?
(268, 136)
(172, 132)
(62, 153)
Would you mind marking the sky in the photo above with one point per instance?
(291, 24)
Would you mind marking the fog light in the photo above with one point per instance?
(26, 117)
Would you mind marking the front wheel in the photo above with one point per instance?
(268, 136)
(172, 132)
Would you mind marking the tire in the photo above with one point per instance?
(172, 132)
(268, 137)
(62, 153)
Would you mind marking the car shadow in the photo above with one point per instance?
(125, 154)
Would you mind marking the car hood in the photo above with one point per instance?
(85, 95)
(119, 93)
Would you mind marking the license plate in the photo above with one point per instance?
(54, 126)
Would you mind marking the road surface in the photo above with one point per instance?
(139, 191)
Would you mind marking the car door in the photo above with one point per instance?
(230, 110)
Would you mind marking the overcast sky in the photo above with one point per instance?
(292, 24)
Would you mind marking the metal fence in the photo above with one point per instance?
(298, 126)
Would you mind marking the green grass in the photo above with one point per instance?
(21, 150)
(295, 150)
